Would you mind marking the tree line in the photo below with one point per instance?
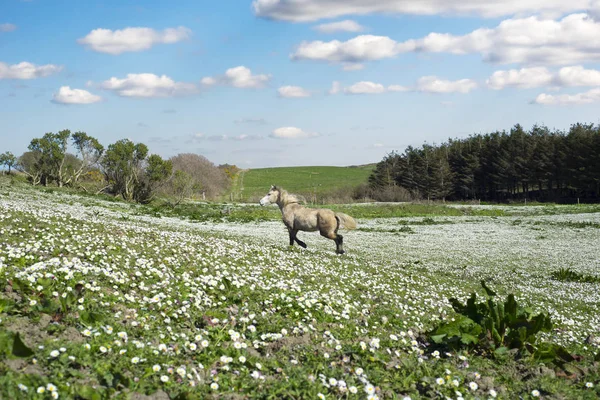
(124, 168)
(539, 164)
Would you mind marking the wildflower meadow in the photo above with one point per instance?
(100, 299)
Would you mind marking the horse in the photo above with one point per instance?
(298, 218)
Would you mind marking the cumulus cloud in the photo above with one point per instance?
(131, 39)
(365, 87)
(432, 84)
(341, 26)
(239, 77)
(591, 96)
(312, 10)
(66, 95)
(525, 78)
(27, 70)
(290, 132)
(148, 85)
(356, 50)
(578, 76)
(7, 27)
(292, 92)
(521, 78)
(532, 40)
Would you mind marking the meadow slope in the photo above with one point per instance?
(252, 184)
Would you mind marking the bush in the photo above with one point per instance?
(498, 327)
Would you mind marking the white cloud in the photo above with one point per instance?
(591, 96)
(312, 10)
(27, 70)
(245, 137)
(361, 48)
(290, 132)
(239, 77)
(293, 92)
(341, 26)
(7, 27)
(66, 95)
(521, 78)
(397, 88)
(578, 76)
(365, 87)
(432, 84)
(540, 76)
(148, 85)
(131, 39)
(429, 84)
(335, 88)
(532, 41)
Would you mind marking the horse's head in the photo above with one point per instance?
(271, 197)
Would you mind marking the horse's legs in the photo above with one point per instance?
(338, 239)
(300, 242)
(339, 243)
(293, 233)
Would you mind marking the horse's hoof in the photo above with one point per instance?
(340, 252)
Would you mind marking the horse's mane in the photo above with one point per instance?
(291, 198)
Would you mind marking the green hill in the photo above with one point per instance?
(317, 184)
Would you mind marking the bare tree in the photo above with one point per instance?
(207, 179)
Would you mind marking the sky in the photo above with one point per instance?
(269, 83)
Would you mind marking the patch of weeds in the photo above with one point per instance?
(426, 221)
(404, 229)
(568, 275)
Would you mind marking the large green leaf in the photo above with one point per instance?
(20, 349)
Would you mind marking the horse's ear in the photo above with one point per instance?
(273, 187)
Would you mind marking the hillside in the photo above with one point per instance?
(321, 182)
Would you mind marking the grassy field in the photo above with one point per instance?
(252, 184)
(103, 299)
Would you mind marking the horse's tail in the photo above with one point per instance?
(345, 221)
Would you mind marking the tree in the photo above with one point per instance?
(29, 164)
(208, 179)
(156, 173)
(89, 150)
(182, 186)
(8, 159)
(51, 150)
(122, 166)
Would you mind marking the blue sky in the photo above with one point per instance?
(407, 72)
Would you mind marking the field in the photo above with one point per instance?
(252, 184)
(103, 299)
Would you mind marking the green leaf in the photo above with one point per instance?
(20, 349)
(440, 338)
(88, 393)
(90, 318)
(5, 305)
(501, 351)
(489, 291)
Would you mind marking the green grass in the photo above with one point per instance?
(308, 181)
